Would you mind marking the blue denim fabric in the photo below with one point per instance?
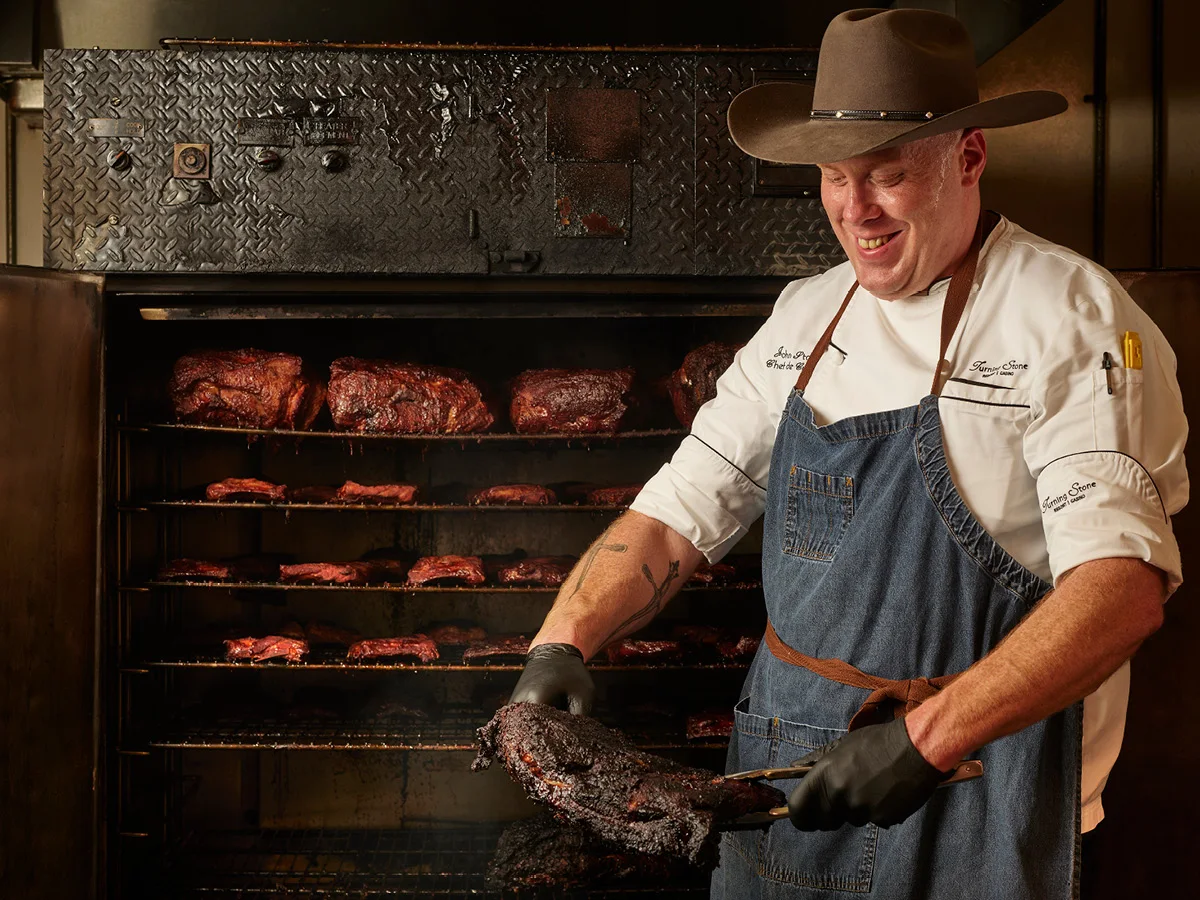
(871, 556)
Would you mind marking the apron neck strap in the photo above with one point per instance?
(957, 295)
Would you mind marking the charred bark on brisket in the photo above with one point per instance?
(547, 571)
(348, 573)
(414, 645)
(695, 382)
(245, 389)
(374, 395)
(570, 401)
(514, 494)
(496, 648)
(644, 652)
(245, 489)
(615, 495)
(596, 776)
(447, 570)
(541, 852)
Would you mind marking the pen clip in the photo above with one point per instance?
(1106, 364)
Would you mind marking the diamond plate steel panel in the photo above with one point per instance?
(432, 141)
(737, 233)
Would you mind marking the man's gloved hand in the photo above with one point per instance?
(872, 774)
(553, 671)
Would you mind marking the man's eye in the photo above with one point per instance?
(889, 180)
(833, 179)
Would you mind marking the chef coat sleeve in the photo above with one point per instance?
(714, 487)
(1109, 466)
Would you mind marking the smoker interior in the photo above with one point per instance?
(276, 779)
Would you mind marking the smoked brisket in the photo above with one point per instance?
(633, 652)
(570, 401)
(447, 570)
(593, 775)
(269, 647)
(616, 495)
(374, 395)
(391, 494)
(708, 725)
(244, 569)
(452, 634)
(695, 382)
(414, 645)
(546, 571)
(513, 494)
(245, 389)
(496, 648)
(349, 573)
(245, 489)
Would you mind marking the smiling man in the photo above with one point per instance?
(967, 443)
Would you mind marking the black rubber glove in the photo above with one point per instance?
(873, 774)
(554, 671)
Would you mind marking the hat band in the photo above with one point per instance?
(899, 115)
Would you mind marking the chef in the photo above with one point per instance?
(967, 443)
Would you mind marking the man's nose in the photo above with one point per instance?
(860, 205)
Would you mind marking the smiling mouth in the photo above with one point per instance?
(874, 243)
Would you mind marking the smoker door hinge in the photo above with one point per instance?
(513, 262)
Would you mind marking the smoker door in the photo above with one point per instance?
(50, 445)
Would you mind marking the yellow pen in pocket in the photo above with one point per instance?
(1132, 345)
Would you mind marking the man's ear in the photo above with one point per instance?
(974, 156)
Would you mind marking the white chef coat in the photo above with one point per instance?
(1055, 468)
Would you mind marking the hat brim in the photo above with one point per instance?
(771, 121)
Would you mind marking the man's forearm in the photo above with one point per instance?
(620, 584)
(1062, 651)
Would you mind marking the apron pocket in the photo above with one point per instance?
(841, 860)
(819, 507)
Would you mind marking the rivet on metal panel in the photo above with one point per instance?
(334, 161)
(192, 161)
(267, 160)
(119, 160)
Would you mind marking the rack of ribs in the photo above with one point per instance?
(496, 648)
(245, 389)
(270, 647)
(695, 382)
(717, 723)
(570, 401)
(631, 652)
(393, 494)
(453, 634)
(547, 571)
(418, 646)
(347, 573)
(375, 395)
(541, 852)
(447, 570)
(615, 495)
(513, 494)
(593, 775)
(245, 489)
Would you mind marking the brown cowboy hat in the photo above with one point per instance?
(884, 77)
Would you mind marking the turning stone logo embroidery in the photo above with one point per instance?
(1075, 493)
(984, 369)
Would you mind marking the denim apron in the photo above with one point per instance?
(871, 558)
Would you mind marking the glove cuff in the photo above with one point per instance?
(550, 651)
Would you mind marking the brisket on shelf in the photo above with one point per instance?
(242, 569)
(418, 646)
(695, 382)
(570, 401)
(395, 494)
(269, 647)
(375, 395)
(349, 573)
(644, 652)
(447, 570)
(541, 852)
(512, 494)
(245, 389)
(737, 649)
(497, 648)
(717, 723)
(313, 494)
(245, 489)
(614, 495)
(593, 775)
(547, 571)
(712, 573)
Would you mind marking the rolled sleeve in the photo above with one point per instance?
(1106, 445)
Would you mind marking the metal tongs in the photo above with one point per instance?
(966, 770)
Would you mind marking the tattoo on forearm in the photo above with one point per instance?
(650, 610)
(590, 557)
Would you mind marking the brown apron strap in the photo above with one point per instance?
(889, 699)
(957, 295)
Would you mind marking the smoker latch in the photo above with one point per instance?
(513, 262)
